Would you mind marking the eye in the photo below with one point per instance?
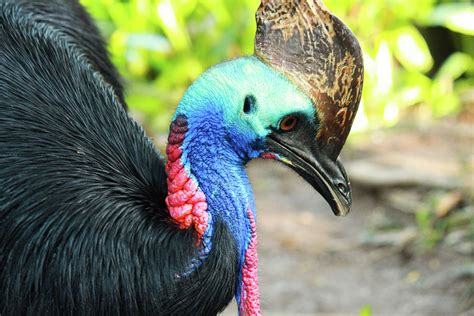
(288, 123)
(249, 104)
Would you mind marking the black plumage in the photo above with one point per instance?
(72, 20)
(83, 223)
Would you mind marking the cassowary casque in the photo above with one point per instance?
(93, 221)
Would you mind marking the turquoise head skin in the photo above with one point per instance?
(219, 94)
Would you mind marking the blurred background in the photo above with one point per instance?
(408, 246)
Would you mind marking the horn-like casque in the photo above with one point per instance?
(315, 50)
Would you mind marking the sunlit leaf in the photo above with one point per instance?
(151, 42)
(119, 14)
(118, 47)
(414, 88)
(361, 122)
(458, 17)
(366, 310)
(445, 104)
(185, 7)
(219, 10)
(411, 95)
(96, 8)
(383, 61)
(172, 26)
(391, 112)
(412, 50)
(456, 65)
(137, 64)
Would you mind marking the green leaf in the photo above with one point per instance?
(414, 88)
(171, 21)
(458, 17)
(366, 310)
(411, 50)
(384, 69)
(148, 41)
(446, 104)
(455, 66)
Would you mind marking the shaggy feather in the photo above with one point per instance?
(84, 228)
(70, 19)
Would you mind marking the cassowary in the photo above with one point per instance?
(93, 221)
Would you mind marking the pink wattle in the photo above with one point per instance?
(250, 295)
(186, 202)
(267, 155)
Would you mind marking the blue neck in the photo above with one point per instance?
(220, 173)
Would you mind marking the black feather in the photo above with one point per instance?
(71, 19)
(84, 228)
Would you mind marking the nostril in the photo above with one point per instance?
(342, 188)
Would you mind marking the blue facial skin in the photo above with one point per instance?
(222, 137)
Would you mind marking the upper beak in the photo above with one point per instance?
(327, 176)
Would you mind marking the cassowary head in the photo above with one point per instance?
(294, 100)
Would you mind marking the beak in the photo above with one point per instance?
(327, 176)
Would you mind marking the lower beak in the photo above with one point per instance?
(327, 176)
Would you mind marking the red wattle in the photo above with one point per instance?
(267, 155)
(186, 203)
(250, 295)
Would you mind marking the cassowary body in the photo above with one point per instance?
(84, 224)
(92, 219)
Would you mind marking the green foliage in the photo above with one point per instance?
(457, 17)
(161, 46)
(434, 221)
(366, 310)
(398, 62)
(431, 230)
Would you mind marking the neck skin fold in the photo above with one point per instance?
(207, 182)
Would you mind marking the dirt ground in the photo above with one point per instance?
(314, 263)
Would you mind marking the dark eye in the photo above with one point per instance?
(288, 123)
(249, 104)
